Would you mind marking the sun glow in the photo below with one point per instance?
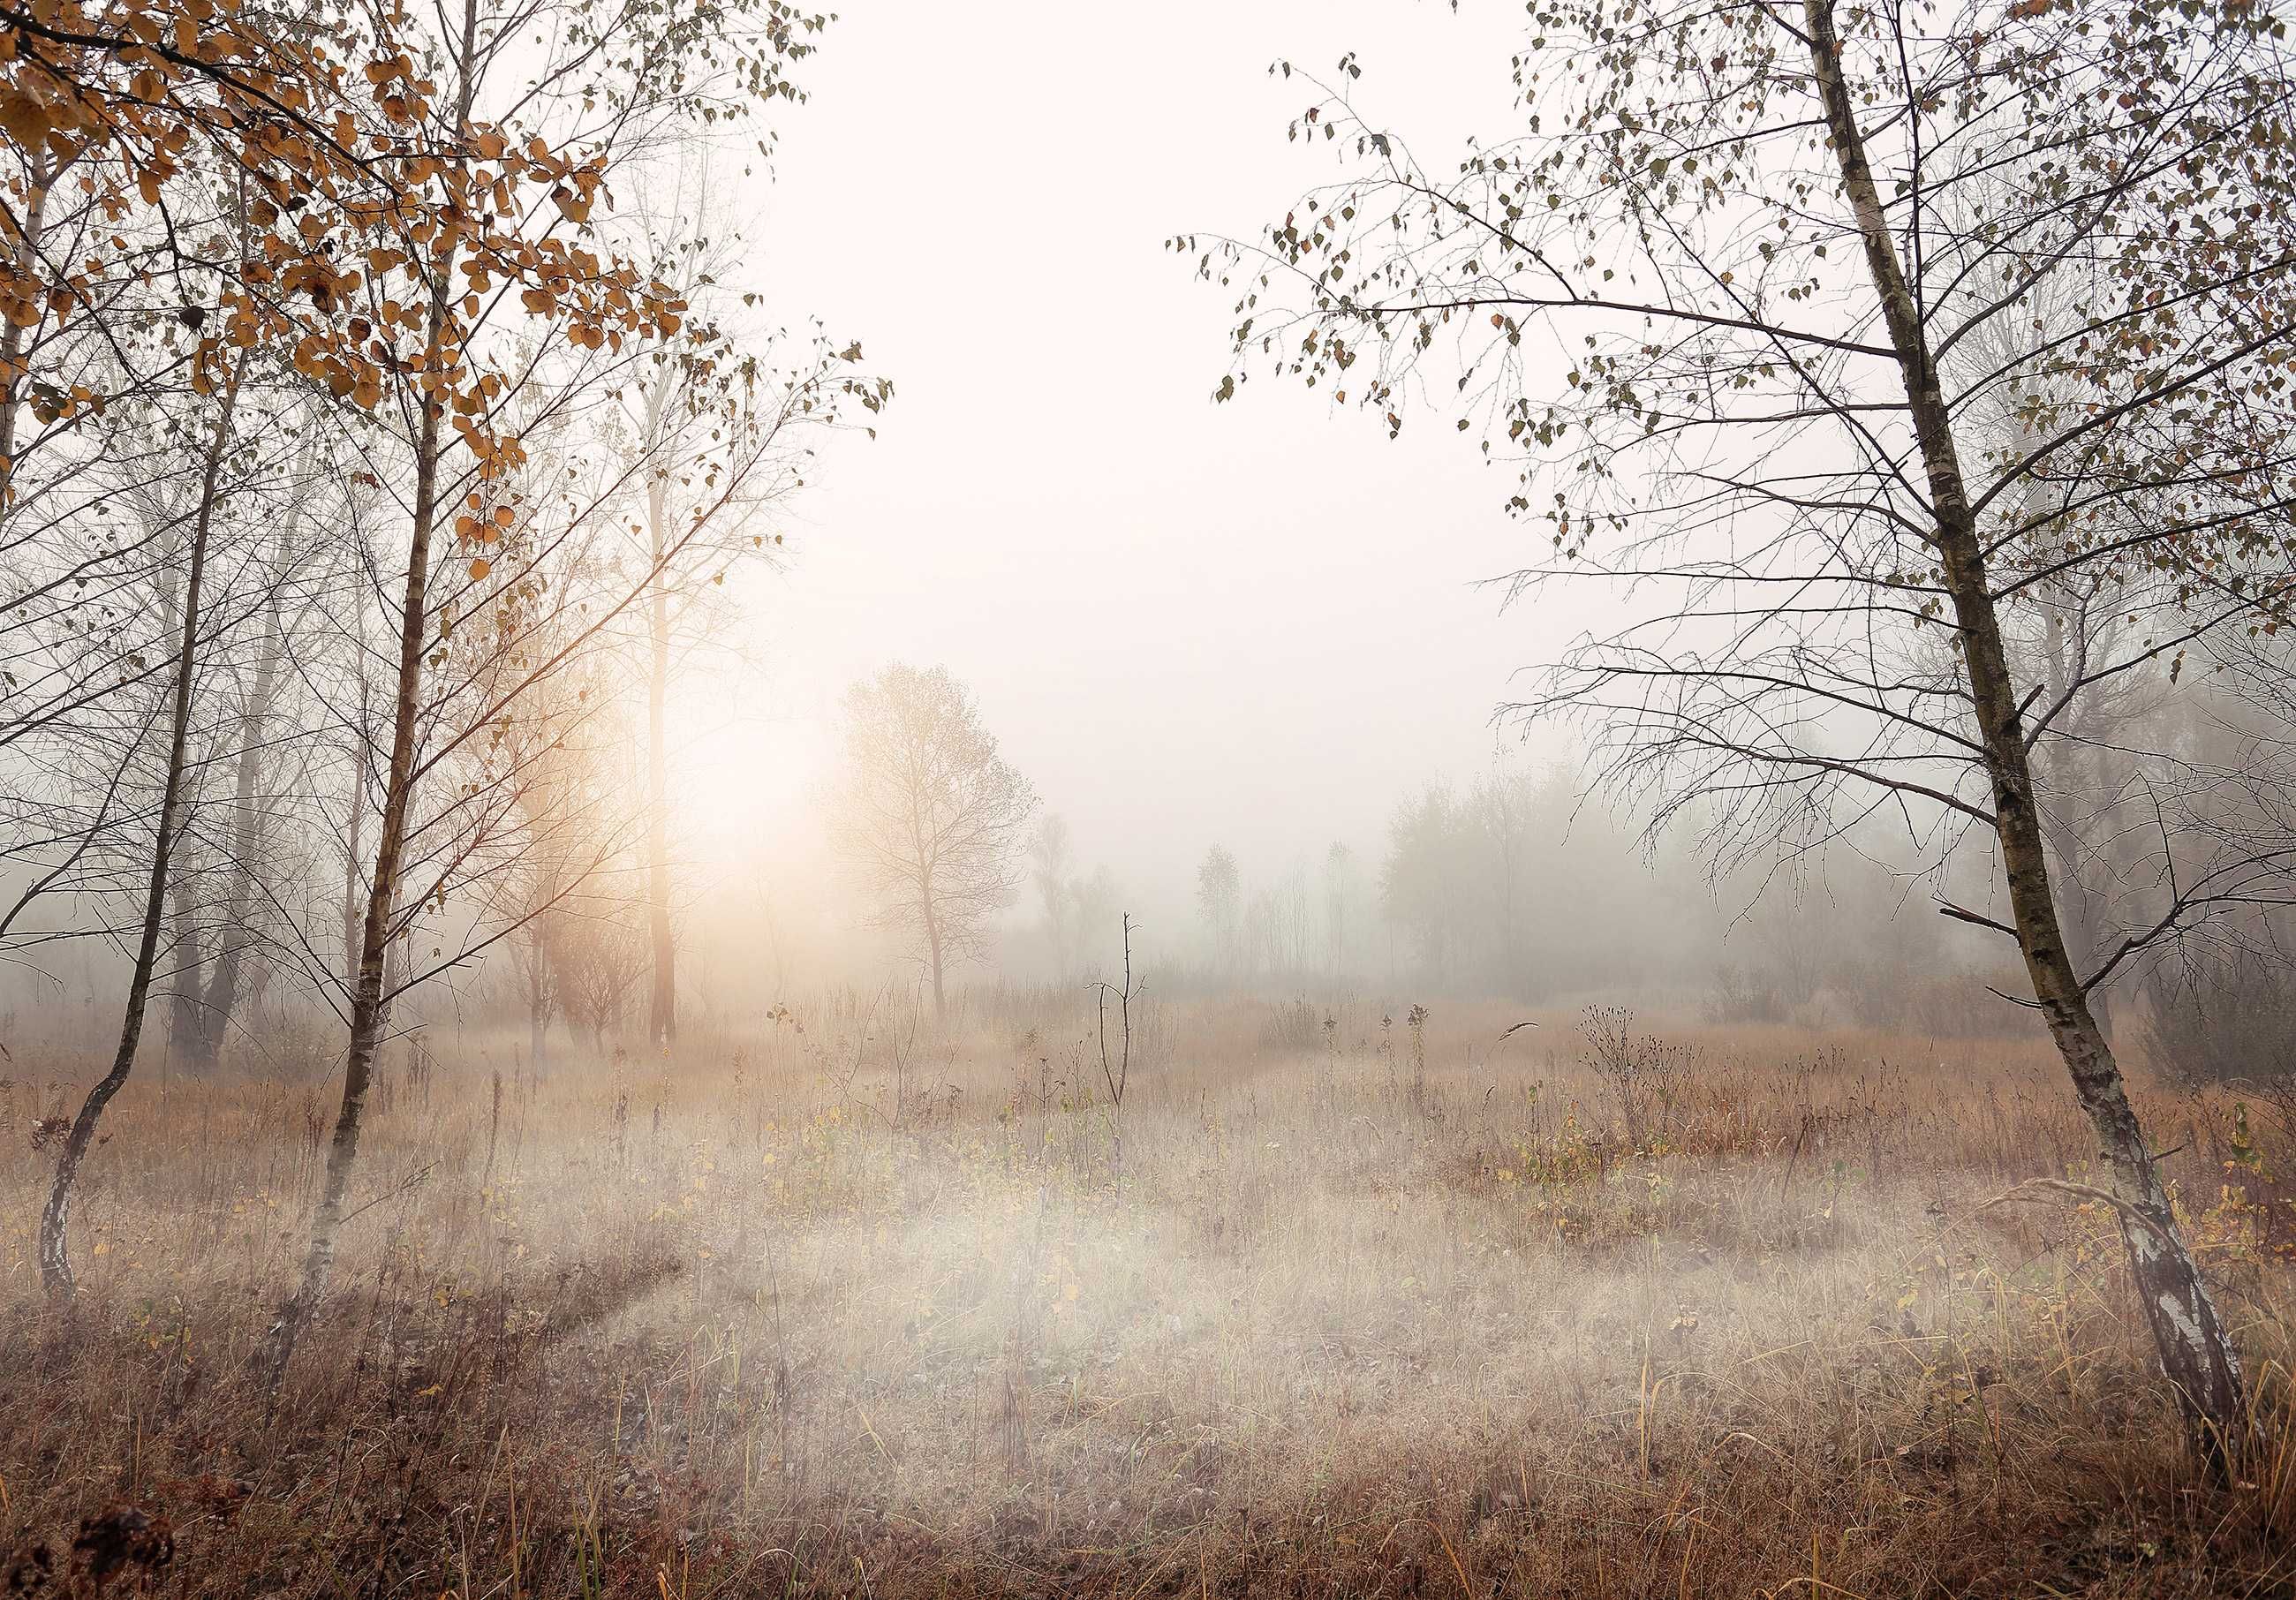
(745, 768)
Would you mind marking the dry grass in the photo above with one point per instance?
(1347, 1309)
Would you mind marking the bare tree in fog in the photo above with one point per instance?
(1459, 871)
(55, 1261)
(1095, 905)
(1283, 912)
(932, 819)
(1433, 881)
(1219, 897)
(598, 954)
(226, 879)
(1049, 861)
(535, 969)
(688, 531)
(1724, 303)
(1340, 892)
(572, 818)
(2219, 993)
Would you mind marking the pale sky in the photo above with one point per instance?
(1256, 622)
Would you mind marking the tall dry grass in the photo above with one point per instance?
(1336, 1303)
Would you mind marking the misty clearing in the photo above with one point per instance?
(1541, 841)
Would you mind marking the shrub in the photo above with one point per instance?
(1647, 1075)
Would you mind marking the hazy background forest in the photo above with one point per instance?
(724, 866)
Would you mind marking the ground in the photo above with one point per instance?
(1334, 1302)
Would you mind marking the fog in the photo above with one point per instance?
(1264, 625)
(1327, 797)
(1186, 622)
(1266, 628)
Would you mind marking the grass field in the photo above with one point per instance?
(1333, 1304)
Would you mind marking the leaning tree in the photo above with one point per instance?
(1852, 339)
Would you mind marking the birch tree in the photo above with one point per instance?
(55, 1261)
(1721, 303)
(515, 313)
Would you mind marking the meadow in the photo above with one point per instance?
(1341, 1299)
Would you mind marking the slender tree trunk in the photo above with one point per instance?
(184, 932)
(354, 918)
(933, 955)
(2084, 909)
(927, 910)
(661, 1008)
(351, 918)
(2195, 1353)
(661, 1012)
(370, 997)
(534, 963)
(185, 983)
(56, 1258)
(222, 994)
(2065, 785)
(183, 924)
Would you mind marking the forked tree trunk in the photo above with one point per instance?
(2195, 1353)
(55, 1218)
(221, 996)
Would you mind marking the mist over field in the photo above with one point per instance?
(1331, 799)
